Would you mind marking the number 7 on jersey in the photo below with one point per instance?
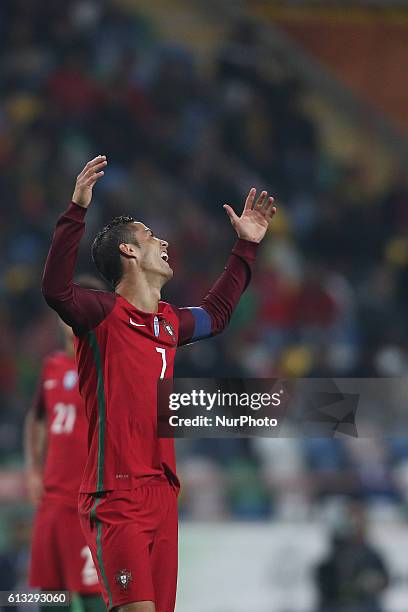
(162, 352)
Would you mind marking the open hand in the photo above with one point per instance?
(87, 179)
(254, 221)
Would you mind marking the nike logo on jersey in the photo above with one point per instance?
(137, 324)
(50, 383)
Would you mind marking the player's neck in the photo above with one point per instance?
(141, 293)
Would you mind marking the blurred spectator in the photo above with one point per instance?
(354, 575)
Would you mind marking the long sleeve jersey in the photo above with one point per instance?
(121, 354)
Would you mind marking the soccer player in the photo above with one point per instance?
(56, 431)
(125, 341)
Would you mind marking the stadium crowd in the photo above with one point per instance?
(329, 295)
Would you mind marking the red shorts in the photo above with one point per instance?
(133, 539)
(60, 557)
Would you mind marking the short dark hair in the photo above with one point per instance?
(105, 248)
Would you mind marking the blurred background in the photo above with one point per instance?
(194, 102)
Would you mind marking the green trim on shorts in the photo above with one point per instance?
(93, 518)
(100, 560)
(92, 514)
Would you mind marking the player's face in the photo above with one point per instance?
(153, 256)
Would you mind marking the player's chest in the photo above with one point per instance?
(142, 342)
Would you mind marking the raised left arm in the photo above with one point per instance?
(215, 311)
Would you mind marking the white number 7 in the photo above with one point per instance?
(162, 352)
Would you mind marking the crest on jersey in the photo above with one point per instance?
(70, 379)
(169, 330)
(123, 579)
(156, 327)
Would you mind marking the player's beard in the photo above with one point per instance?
(167, 273)
(158, 272)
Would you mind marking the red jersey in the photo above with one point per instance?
(121, 354)
(58, 401)
(119, 364)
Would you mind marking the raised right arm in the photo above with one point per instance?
(81, 308)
